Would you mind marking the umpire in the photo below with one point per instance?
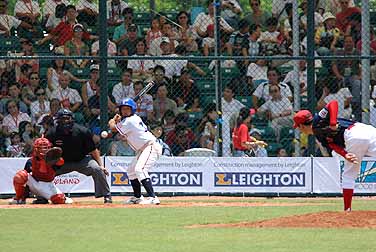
(79, 152)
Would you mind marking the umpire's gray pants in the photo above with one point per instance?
(89, 167)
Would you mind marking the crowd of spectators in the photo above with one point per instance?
(31, 91)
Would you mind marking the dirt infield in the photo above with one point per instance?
(355, 219)
(185, 201)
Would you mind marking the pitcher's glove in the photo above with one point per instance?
(53, 156)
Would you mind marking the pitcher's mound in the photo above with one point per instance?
(355, 219)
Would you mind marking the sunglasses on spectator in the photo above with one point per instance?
(34, 78)
(40, 94)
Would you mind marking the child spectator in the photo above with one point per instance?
(16, 148)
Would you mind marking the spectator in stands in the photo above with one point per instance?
(185, 34)
(120, 147)
(208, 128)
(154, 32)
(40, 106)
(58, 68)
(355, 27)
(93, 109)
(127, 46)
(47, 119)
(63, 32)
(257, 150)
(257, 73)
(290, 76)
(229, 106)
(168, 122)
(15, 95)
(236, 42)
(54, 18)
(278, 110)
(111, 51)
(333, 91)
(173, 67)
(258, 16)
(252, 46)
(49, 7)
(121, 31)
(181, 120)
(26, 50)
(7, 22)
(203, 20)
(12, 121)
(16, 147)
(68, 97)
(262, 91)
(142, 69)
(28, 92)
(167, 35)
(159, 78)
(76, 47)
(88, 88)
(348, 71)
(281, 152)
(124, 88)
(231, 11)
(186, 93)
(23, 78)
(241, 140)
(115, 9)
(270, 38)
(87, 12)
(303, 18)
(279, 9)
(181, 142)
(342, 16)
(162, 103)
(327, 36)
(28, 135)
(157, 130)
(29, 12)
(144, 104)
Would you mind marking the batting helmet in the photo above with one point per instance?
(130, 103)
(64, 118)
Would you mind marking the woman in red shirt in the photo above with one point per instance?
(240, 137)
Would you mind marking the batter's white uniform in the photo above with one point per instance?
(148, 150)
(361, 141)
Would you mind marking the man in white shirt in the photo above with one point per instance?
(7, 22)
(68, 97)
(230, 106)
(124, 88)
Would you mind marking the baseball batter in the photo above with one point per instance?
(350, 139)
(39, 176)
(148, 150)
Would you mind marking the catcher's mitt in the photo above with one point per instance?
(53, 155)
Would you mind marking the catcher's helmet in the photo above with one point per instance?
(130, 103)
(41, 146)
(64, 118)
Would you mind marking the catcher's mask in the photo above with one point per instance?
(41, 146)
(64, 119)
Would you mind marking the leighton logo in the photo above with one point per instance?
(260, 179)
(367, 173)
(162, 178)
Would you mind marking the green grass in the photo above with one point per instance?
(163, 229)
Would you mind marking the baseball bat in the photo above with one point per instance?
(146, 89)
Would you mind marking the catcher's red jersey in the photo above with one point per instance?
(41, 171)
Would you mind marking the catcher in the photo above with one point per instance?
(39, 174)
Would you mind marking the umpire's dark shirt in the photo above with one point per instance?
(76, 144)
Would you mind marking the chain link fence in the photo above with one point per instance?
(210, 62)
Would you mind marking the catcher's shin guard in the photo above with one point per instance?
(58, 198)
(19, 182)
